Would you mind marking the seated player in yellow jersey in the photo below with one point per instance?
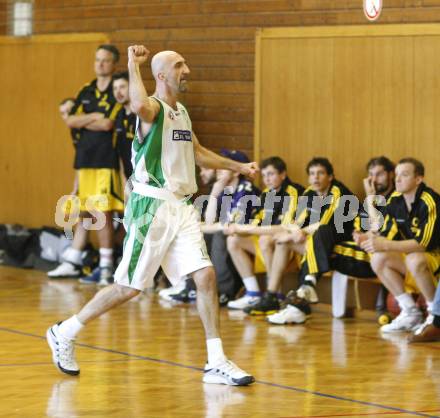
(279, 202)
(409, 244)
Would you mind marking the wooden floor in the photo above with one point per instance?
(144, 360)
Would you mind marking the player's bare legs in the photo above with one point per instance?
(218, 369)
(241, 249)
(207, 301)
(390, 268)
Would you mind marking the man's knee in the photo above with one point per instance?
(266, 243)
(416, 263)
(233, 243)
(125, 292)
(378, 262)
(205, 279)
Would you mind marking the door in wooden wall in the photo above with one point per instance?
(36, 152)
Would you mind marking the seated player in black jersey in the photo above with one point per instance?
(348, 257)
(409, 244)
(325, 218)
(279, 203)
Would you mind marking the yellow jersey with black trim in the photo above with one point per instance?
(95, 149)
(315, 208)
(420, 223)
(279, 207)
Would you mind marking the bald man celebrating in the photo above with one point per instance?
(162, 226)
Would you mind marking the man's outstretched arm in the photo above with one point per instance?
(208, 159)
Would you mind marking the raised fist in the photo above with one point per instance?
(138, 54)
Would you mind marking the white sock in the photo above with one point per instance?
(70, 327)
(406, 302)
(251, 284)
(310, 278)
(106, 257)
(215, 351)
(72, 255)
(429, 306)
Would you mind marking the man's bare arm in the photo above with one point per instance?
(208, 159)
(145, 107)
(101, 125)
(381, 244)
(82, 120)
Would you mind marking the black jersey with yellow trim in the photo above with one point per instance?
(75, 134)
(95, 149)
(362, 220)
(125, 126)
(281, 205)
(312, 210)
(420, 223)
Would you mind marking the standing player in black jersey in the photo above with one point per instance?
(125, 124)
(123, 134)
(409, 245)
(99, 186)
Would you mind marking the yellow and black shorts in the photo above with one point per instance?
(352, 260)
(99, 189)
(433, 260)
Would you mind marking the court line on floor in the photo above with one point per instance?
(261, 382)
(49, 363)
(354, 415)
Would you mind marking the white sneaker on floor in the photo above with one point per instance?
(289, 315)
(65, 269)
(243, 302)
(227, 373)
(170, 291)
(428, 321)
(405, 321)
(307, 293)
(63, 351)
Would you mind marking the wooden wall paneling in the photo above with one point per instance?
(426, 128)
(36, 148)
(213, 35)
(351, 96)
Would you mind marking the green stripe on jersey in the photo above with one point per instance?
(151, 150)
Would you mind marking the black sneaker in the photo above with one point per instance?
(185, 296)
(266, 306)
(223, 299)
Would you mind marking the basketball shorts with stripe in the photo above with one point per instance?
(160, 233)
